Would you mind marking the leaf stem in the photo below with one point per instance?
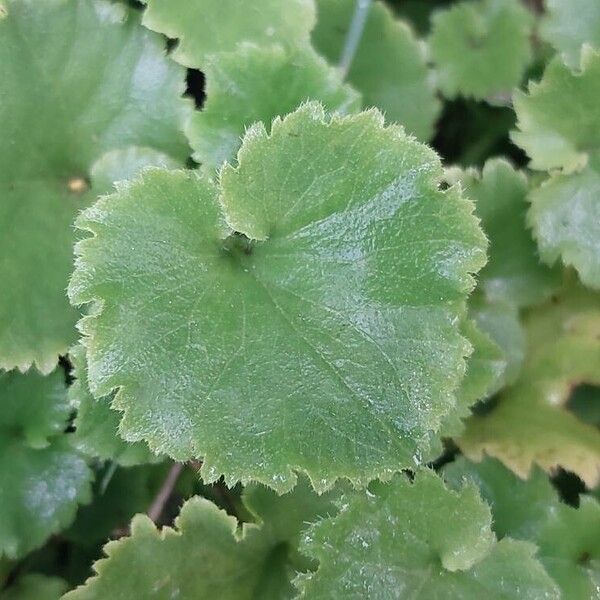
(156, 509)
(355, 32)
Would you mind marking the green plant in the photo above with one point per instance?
(333, 324)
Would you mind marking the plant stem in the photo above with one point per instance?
(355, 32)
(157, 507)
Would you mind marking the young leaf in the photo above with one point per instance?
(568, 24)
(43, 477)
(513, 273)
(96, 424)
(568, 539)
(78, 78)
(205, 27)
(208, 556)
(389, 67)
(320, 335)
(35, 587)
(531, 424)
(418, 540)
(240, 92)
(481, 48)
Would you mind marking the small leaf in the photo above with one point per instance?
(43, 477)
(96, 424)
(481, 48)
(78, 78)
(418, 540)
(568, 24)
(205, 27)
(568, 539)
(333, 309)
(531, 424)
(240, 92)
(389, 68)
(513, 273)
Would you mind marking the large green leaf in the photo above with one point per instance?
(422, 541)
(389, 67)
(96, 424)
(240, 91)
(558, 125)
(481, 48)
(43, 477)
(513, 273)
(316, 331)
(78, 78)
(568, 539)
(208, 556)
(205, 27)
(531, 424)
(568, 24)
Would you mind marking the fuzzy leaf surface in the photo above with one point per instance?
(240, 89)
(568, 539)
(43, 477)
(321, 337)
(205, 27)
(480, 48)
(531, 423)
(389, 68)
(418, 540)
(78, 78)
(514, 273)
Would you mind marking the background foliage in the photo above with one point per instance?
(332, 328)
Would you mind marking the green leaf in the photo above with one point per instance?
(531, 424)
(205, 27)
(481, 48)
(501, 322)
(337, 314)
(96, 424)
(240, 92)
(565, 216)
(389, 67)
(568, 539)
(513, 273)
(77, 79)
(284, 518)
(485, 368)
(558, 118)
(568, 24)
(418, 540)
(558, 123)
(43, 477)
(208, 555)
(35, 587)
